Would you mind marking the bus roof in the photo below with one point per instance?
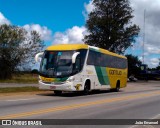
(61, 47)
(106, 52)
(111, 53)
(67, 47)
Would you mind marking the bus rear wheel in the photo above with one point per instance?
(57, 92)
(117, 87)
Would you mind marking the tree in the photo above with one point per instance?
(158, 68)
(110, 26)
(133, 65)
(17, 47)
(34, 71)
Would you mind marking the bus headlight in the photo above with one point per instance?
(70, 79)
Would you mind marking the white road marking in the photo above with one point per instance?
(142, 126)
(133, 126)
(21, 99)
(156, 116)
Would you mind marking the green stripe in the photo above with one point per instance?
(105, 76)
(102, 75)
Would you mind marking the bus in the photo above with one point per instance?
(80, 67)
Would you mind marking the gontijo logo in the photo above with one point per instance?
(115, 72)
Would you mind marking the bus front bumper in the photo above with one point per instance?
(66, 86)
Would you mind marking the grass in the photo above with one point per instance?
(18, 89)
(22, 78)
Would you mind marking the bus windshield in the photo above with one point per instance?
(58, 64)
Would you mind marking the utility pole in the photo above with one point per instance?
(144, 33)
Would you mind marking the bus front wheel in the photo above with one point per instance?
(86, 87)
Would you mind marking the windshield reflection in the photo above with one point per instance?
(56, 64)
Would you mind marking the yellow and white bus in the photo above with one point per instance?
(80, 67)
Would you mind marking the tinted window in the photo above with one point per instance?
(103, 60)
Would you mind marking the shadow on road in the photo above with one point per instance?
(76, 94)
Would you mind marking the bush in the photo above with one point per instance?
(34, 71)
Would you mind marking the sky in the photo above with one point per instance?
(63, 21)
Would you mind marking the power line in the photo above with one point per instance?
(144, 33)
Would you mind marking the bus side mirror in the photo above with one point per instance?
(74, 56)
(38, 56)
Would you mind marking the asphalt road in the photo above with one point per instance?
(140, 100)
(5, 85)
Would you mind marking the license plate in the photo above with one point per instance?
(52, 87)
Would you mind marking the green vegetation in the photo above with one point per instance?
(17, 49)
(158, 67)
(154, 69)
(18, 89)
(133, 65)
(22, 78)
(110, 27)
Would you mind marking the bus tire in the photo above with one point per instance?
(117, 86)
(57, 92)
(86, 87)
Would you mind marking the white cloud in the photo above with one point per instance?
(152, 28)
(151, 62)
(151, 49)
(88, 8)
(45, 33)
(3, 20)
(154, 62)
(73, 35)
